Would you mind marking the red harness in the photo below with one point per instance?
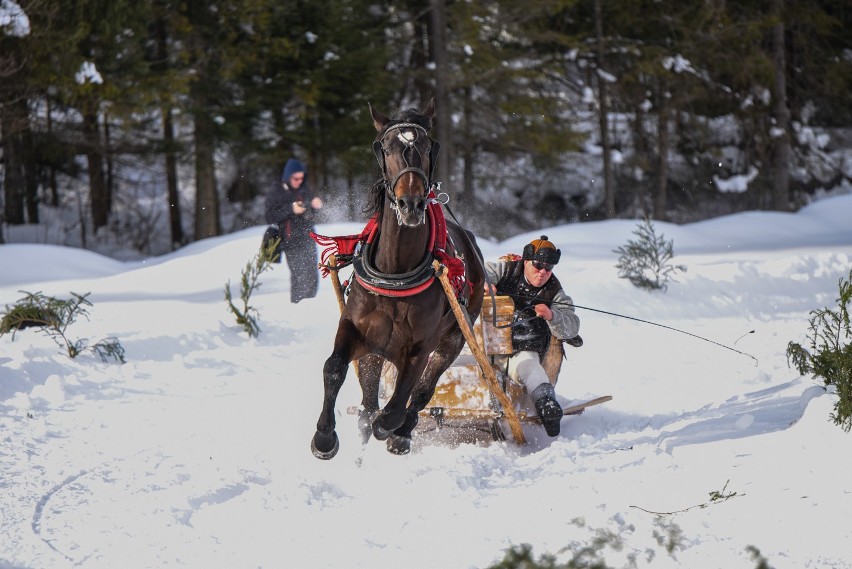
(346, 249)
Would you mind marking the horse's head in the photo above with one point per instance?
(407, 157)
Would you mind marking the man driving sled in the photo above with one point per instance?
(541, 308)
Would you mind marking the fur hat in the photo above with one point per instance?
(542, 250)
(292, 166)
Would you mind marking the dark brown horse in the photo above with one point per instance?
(396, 309)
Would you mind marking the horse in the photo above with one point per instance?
(396, 310)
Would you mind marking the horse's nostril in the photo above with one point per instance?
(409, 203)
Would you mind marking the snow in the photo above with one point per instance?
(195, 453)
(88, 73)
(14, 22)
(736, 184)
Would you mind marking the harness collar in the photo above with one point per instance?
(403, 284)
(358, 250)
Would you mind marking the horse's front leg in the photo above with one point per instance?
(393, 415)
(325, 443)
(369, 375)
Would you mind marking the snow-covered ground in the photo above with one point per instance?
(195, 453)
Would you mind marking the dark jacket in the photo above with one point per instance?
(508, 276)
(293, 230)
(279, 206)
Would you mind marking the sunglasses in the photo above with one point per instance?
(539, 266)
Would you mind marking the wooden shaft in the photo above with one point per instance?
(341, 302)
(335, 279)
(485, 366)
(460, 413)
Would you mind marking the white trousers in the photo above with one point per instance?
(525, 369)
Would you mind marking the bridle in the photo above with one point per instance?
(410, 143)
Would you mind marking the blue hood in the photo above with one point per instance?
(291, 167)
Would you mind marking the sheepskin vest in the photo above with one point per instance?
(535, 334)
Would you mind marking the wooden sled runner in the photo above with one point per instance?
(475, 392)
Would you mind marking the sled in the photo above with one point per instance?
(475, 395)
(463, 397)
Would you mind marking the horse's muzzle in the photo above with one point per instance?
(411, 210)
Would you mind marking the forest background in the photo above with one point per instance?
(154, 123)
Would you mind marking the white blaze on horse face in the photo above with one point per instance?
(407, 137)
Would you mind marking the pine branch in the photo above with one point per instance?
(716, 497)
(246, 316)
(830, 355)
(646, 261)
(53, 316)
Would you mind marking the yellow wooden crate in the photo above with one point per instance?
(462, 387)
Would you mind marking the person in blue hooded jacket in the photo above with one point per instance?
(291, 209)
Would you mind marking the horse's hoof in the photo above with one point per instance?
(399, 445)
(380, 433)
(325, 454)
(381, 428)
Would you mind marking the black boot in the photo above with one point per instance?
(548, 408)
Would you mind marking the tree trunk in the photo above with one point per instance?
(421, 85)
(20, 185)
(467, 152)
(663, 143)
(175, 225)
(14, 180)
(438, 48)
(178, 237)
(206, 195)
(781, 135)
(642, 160)
(110, 166)
(19, 181)
(51, 175)
(31, 187)
(98, 198)
(603, 115)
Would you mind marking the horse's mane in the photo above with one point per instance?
(376, 202)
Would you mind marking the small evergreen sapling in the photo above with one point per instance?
(646, 262)
(250, 281)
(830, 353)
(53, 316)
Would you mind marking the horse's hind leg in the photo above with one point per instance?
(393, 415)
(445, 354)
(443, 357)
(369, 375)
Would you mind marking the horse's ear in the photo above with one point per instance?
(429, 111)
(379, 120)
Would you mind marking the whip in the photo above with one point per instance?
(672, 328)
